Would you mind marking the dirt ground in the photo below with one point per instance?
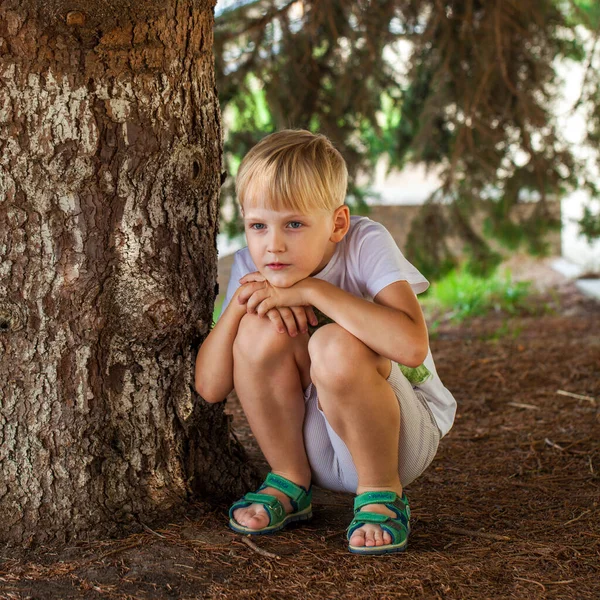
(508, 509)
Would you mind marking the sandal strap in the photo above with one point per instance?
(299, 497)
(371, 517)
(373, 498)
(391, 500)
(271, 504)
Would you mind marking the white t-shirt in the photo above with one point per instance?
(366, 261)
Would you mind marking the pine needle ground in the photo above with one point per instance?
(508, 509)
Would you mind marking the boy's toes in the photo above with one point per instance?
(358, 538)
(253, 517)
(259, 520)
(377, 538)
(370, 536)
(382, 538)
(374, 537)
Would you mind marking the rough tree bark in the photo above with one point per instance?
(109, 178)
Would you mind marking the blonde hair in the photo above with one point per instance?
(293, 170)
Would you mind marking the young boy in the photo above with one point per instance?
(330, 407)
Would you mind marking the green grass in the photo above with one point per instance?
(460, 295)
(217, 309)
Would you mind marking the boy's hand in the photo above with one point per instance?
(282, 306)
(292, 319)
(260, 296)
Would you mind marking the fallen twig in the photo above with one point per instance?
(152, 531)
(258, 550)
(531, 581)
(335, 534)
(585, 512)
(116, 550)
(577, 396)
(521, 405)
(553, 445)
(481, 534)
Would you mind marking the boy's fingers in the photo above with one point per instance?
(264, 307)
(290, 322)
(257, 298)
(310, 314)
(300, 316)
(256, 276)
(276, 319)
(245, 292)
(248, 290)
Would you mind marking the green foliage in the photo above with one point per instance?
(217, 309)
(474, 99)
(380, 138)
(528, 234)
(250, 109)
(427, 247)
(424, 133)
(590, 224)
(461, 294)
(585, 12)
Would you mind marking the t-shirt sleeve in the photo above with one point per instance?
(242, 265)
(381, 263)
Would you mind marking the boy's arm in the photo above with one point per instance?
(214, 362)
(393, 325)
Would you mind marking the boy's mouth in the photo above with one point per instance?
(277, 266)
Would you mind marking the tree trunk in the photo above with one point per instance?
(109, 179)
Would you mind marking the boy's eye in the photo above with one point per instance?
(257, 226)
(295, 224)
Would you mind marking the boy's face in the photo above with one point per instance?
(287, 247)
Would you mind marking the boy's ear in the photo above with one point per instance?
(341, 223)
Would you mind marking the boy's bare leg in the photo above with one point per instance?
(363, 410)
(270, 372)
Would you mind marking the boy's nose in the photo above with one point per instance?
(276, 243)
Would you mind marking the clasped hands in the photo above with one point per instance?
(287, 308)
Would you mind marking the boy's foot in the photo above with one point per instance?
(284, 503)
(371, 534)
(255, 516)
(381, 522)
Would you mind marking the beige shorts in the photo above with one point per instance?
(330, 460)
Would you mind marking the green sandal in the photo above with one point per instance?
(398, 527)
(299, 498)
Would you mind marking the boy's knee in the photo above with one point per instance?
(257, 340)
(335, 356)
